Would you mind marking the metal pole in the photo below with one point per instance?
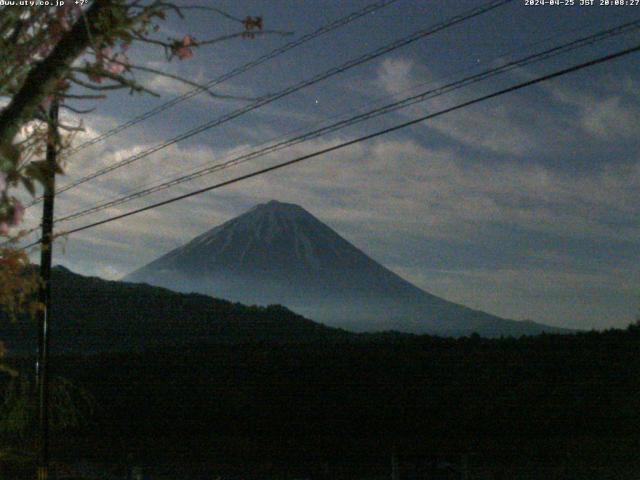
(44, 296)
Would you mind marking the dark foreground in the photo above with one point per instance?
(543, 407)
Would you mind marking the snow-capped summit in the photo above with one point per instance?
(276, 236)
(280, 253)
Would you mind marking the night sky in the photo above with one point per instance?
(525, 206)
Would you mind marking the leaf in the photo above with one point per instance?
(34, 173)
(9, 157)
(29, 185)
(38, 170)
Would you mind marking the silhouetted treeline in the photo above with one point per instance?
(92, 315)
(539, 396)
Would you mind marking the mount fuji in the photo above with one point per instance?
(278, 253)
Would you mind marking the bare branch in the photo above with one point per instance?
(242, 34)
(141, 38)
(92, 86)
(189, 82)
(77, 110)
(70, 128)
(210, 9)
(211, 41)
(132, 84)
(42, 80)
(86, 97)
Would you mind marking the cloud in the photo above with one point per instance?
(611, 119)
(391, 180)
(387, 185)
(519, 125)
(172, 87)
(398, 194)
(608, 111)
(494, 127)
(396, 74)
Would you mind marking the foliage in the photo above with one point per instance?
(61, 57)
(528, 399)
(246, 382)
(71, 408)
(53, 58)
(91, 314)
(19, 283)
(70, 54)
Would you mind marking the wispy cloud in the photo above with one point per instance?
(413, 200)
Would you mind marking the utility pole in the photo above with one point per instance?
(44, 295)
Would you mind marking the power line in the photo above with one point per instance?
(292, 89)
(279, 137)
(150, 188)
(403, 103)
(197, 169)
(385, 131)
(222, 78)
(235, 72)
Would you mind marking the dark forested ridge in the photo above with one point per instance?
(550, 398)
(238, 385)
(91, 315)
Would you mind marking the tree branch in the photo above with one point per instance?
(42, 80)
(77, 110)
(125, 82)
(243, 34)
(178, 10)
(91, 86)
(189, 82)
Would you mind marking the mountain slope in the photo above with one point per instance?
(280, 253)
(94, 315)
